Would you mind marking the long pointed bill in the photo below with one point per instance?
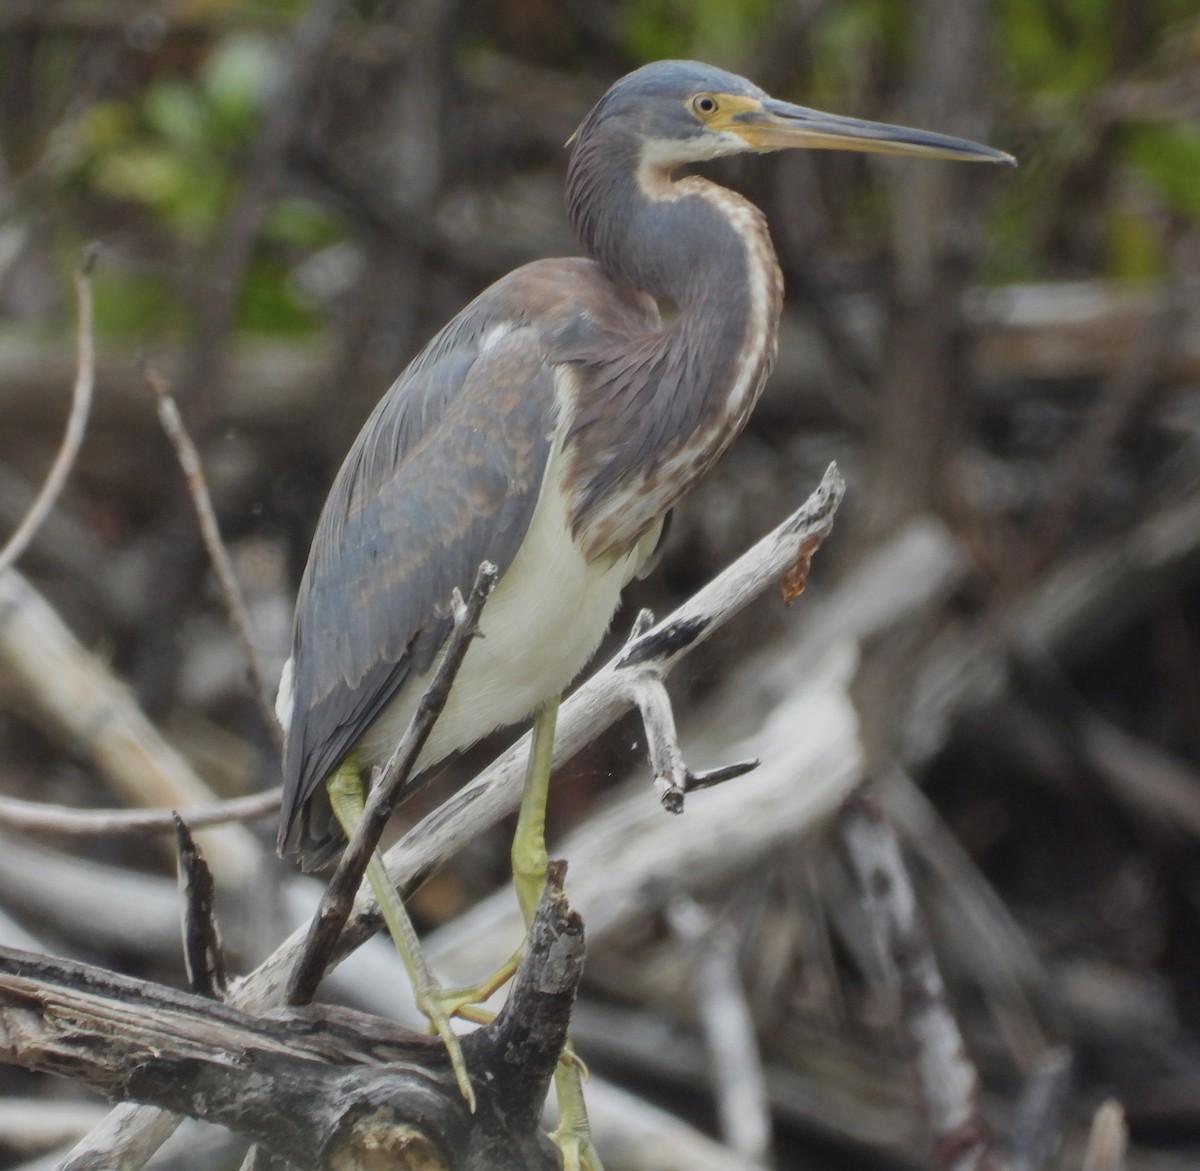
(775, 125)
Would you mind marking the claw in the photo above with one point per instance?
(578, 1153)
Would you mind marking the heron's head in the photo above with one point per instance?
(677, 112)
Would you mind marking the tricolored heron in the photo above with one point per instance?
(549, 429)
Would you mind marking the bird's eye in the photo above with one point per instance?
(704, 104)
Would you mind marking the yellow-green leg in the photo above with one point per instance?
(345, 790)
(573, 1137)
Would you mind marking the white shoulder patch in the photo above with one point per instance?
(494, 335)
(284, 699)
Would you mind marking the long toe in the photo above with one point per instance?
(439, 1020)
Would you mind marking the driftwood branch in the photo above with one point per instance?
(734, 1058)
(673, 780)
(131, 1133)
(320, 1088)
(203, 956)
(947, 1080)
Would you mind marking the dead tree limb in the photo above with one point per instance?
(321, 1088)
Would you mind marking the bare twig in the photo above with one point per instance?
(203, 955)
(64, 821)
(193, 469)
(735, 1063)
(338, 900)
(948, 1082)
(81, 403)
(673, 780)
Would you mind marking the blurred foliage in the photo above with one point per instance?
(720, 31)
(161, 154)
(177, 152)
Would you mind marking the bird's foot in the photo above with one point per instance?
(469, 1003)
(573, 1135)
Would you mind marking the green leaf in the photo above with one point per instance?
(302, 223)
(176, 111)
(267, 306)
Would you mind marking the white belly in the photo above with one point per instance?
(540, 627)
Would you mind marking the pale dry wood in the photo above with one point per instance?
(636, 1136)
(626, 857)
(977, 927)
(946, 1077)
(76, 695)
(1151, 783)
(387, 787)
(1108, 1141)
(130, 1134)
(1076, 329)
(1042, 1112)
(274, 381)
(1083, 603)
(735, 1063)
(297, 1088)
(914, 570)
(218, 554)
(88, 904)
(12, 934)
(68, 821)
(834, 1094)
(28, 1125)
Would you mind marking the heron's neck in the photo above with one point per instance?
(688, 242)
(708, 252)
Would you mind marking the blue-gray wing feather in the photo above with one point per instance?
(445, 475)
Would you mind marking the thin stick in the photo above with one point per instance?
(203, 955)
(189, 460)
(38, 817)
(81, 405)
(673, 779)
(338, 899)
